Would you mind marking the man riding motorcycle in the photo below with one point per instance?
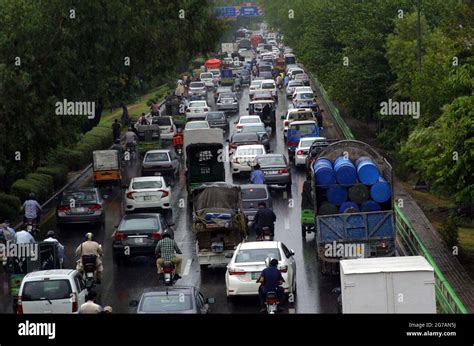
(130, 139)
(90, 248)
(265, 217)
(271, 281)
(32, 209)
(178, 141)
(165, 251)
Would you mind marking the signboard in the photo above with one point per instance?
(228, 48)
(249, 11)
(228, 11)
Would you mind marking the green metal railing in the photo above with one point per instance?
(446, 299)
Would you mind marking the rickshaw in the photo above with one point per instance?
(280, 64)
(107, 168)
(17, 268)
(257, 108)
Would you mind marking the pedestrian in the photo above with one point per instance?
(116, 129)
(143, 120)
(90, 306)
(155, 109)
(287, 79)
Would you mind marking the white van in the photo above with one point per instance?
(57, 291)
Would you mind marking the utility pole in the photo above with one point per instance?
(418, 33)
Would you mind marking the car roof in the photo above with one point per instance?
(268, 81)
(271, 155)
(139, 215)
(251, 245)
(52, 273)
(216, 112)
(261, 101)
(249, 116)
(236, 135)
(157, 151)
(299, 110)
(250, 146)
(159, 177)
(302, 122)
(253, 186)
(154, 290)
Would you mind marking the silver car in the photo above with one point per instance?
(228, 102)
(198, 89)
(80, 206)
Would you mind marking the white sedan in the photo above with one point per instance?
(302, 149)
(248, 261)
(147, 193)
(248, 119)
(244, 157)
(197, 110)
(197, 124)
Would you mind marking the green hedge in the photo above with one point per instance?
(57, 172)
(72, 158)
(10, 207)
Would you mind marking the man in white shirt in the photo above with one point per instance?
(90, 306)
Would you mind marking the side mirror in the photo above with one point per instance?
(133, 303)
(282, 117)
(292, 252)
(116, 226)
(210, 300)
(236, 122)
(246, 109)
(229, 255)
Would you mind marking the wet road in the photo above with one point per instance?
(125, 282)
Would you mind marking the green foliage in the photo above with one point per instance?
(73, 159)
(450, 231)
(57, 172)
(9, 207)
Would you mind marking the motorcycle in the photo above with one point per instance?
(267, 234)
(179, 150)
(89, 263)
(32, 227)
(271, 302)
(168, 271)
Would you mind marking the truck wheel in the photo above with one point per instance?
(303, 232)
(204, 267)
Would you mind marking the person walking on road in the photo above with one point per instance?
(116, 127)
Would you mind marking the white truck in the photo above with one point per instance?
(388, 285)
(107, 167)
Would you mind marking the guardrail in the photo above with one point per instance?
(446, 299)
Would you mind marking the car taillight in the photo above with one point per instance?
(284, 269)
(236, 271)
(286, 123)
(156, 235)
(119, 236)
(299, 152)
(95, 207)
(232, 146)
(281, 171)
(206, 109)
(164, 193)
(239, 126)
(64, 209)
(130, 195)
(19, 306)
(75, 307)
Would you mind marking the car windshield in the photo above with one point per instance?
(206, 76)
(268, 85)
(79, 197)
(162, 121)
(227, 96)
(250, 120)
(304, 129)
(300, 115)
(215, 116)
(295, 72)
(166, 303)
(256, 83)
(306, 96)
(147, 184)
(198, 104)
(271, 161)
(249, 151)
(137, 223)
(197, 85)
(254, 193)
(156, 157)
(215, 73)
(295, 84)
(252, 128)
(197, 125)
(244, 137)
(265, 68)
(306, 143)
(257, 255)
(46, 289)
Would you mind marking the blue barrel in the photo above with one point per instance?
(337, 194)
(324, 173)
(369, 206)
(381, 192)
(367, 171)
(349, 207)
(345, 170)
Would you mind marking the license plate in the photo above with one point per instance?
(80, 210)
(271, 172)
(157, 173)
(255, 275)
(147, 198)
(138, 241)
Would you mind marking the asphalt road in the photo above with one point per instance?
(123, 283)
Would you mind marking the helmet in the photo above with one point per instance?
(267, 261)
(89, 236)
(50, 234)
(166, 235)
(32, 195)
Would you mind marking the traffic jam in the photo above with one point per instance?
(221, 217)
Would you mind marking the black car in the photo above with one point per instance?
(244, 77)
(172, 300)
(252, 194)
(276, 169)
(217, 120)
(138, 234)
(240, 138)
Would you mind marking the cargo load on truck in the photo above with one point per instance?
(107, 167)
(218, 222)
(353, 204)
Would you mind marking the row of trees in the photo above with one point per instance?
(365, 53)
(98, 51)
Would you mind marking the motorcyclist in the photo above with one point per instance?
(90, 247)
(265, 217)
(32, 209)
(119, 147)
(178, 139)
(279, 82)
(165, 251)
(257, 176)
(51, 237)
(130, 139)
(270, 281)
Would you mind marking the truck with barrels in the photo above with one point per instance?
(351, 193)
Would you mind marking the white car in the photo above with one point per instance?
(269, 85)
(207, 78)
(248, 119)
(216, 73)
(147, 193)
(294, 71)
(197, 110)
(57, 291)
(167, 126)
(247, 264)
(302, 77)
(244, 157)
(198, 89)
(302, 149)
(290, 88)
(254, 86)
(296, 114)
(197, 124)
(300, 89)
